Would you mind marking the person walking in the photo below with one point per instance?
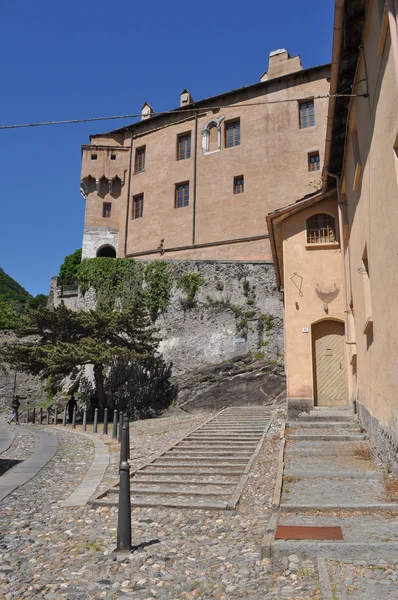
(72, 404)
(15, 407)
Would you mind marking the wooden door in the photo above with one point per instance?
(329, 364)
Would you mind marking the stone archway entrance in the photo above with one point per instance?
(329, 364)
(107, 251)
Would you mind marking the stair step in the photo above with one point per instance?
(187, 462)
(217, 445)
(169, 503)
(319, 423)
(183, 452)
(213, 465)
(341, 551)
(328, 474)
(328, 437)
(383, 506)
(175, 491)
(232, 471)
(156, 480)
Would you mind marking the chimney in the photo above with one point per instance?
(280, 64)
(185, 98)
(146, 111)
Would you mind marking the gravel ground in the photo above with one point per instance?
(24, 444)
(363, 582)
(51, 552)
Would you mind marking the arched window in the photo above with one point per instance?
(211, 135)
(321, 229)
(107, 251)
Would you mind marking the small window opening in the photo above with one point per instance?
(239, 184)
(307, 114)
(184, 146)
(314, 163)
(139, 160)
(106, 210)
(94, 157)
(321, 229)
(232, 134)
(113, 156)
(138, 206)
(181, 195)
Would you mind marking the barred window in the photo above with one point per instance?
(239, 184)
(232, 134)
(106, 210)
(307, 114)
(138, 206)
(321, 229)
(139, 160)
(182, 195)
(184, 146)
(314, 163)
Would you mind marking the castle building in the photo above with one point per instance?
(198, 181)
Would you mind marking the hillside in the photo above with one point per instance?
(10, 290)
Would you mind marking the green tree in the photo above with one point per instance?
(8, 316)
(37, 301)
(69, 268)
(67, 340)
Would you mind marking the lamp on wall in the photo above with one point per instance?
(326, 308)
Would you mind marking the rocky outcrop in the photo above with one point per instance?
(232, 383)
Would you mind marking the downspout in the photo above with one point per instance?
(392, 20)
(128, 195)
(337, 39)
(341, 234)
(195, 154)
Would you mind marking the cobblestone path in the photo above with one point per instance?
(52, 552)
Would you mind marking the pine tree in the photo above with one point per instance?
(64, 340)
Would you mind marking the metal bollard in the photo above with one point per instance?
(95, 424)
(120, 426)
(34, 416)
(27, 415)
(55, 415)
(123, 444)
(41, 416)
(124, 512)
(105, 429)
(114, 427)
(48, 417)
(64, 418)
(74, 419)
(126, 420)
(85, 419)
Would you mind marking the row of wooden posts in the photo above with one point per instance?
(117, 424)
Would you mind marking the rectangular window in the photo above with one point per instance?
(93, 157)
(113, 156)
(307, 114)
(239, 184)
(182, 194)
(106, 210)
(184, 146)
(232, 134)
(138, 206)
(139, 160)
(314, 163)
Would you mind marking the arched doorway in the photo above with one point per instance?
(107, 251)
(329, 363)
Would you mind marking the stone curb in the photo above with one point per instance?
(29, 468)
(8, 439)
(324, 580)
(94, 475)
(341, 551)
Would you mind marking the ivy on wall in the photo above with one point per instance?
(115, 280)
(190, 283)
(159, 282)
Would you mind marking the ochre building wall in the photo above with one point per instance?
(272, 156)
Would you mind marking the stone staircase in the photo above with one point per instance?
(207, 469)
(330, 479)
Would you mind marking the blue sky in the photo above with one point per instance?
(67, 60)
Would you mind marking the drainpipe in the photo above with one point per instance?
(392, 20)
(341, 234)
(337, 38)
(126, 229)
(195, 154)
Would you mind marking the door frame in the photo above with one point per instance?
(314, 400)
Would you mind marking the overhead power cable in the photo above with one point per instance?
(176, 111)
